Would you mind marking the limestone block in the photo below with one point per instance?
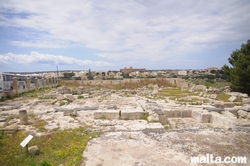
(246, 100)
(153, 118)
(69, 112)
(226, 120)
(153, 127)
(23, 117)
(132, 115)
(34, 150)
(186, 113)
(232, 99)
(242, 114)
(205, 118)
(176, 113)
(246, 107)
(169, 113)
(201, 115)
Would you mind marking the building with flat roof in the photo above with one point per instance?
(182, 72)
(131, 69)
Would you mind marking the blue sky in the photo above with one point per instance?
(109, 35)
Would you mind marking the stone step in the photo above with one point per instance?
(116, 114)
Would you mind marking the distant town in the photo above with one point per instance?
(209, 73)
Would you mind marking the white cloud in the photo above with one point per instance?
(35, 58)
(130, 29)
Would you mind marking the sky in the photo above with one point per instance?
(113, 34)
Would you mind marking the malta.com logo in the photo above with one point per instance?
(210, 158)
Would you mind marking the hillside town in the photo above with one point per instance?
(210, 73)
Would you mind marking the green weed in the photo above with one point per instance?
(61, 147)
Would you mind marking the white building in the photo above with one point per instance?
(182, 72)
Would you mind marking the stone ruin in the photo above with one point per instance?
(127, 111)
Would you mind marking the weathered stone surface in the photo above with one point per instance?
(226, 120)
(106, 114)
(242, 114)
(246, 100)
(2, 119)
(6, 108)
(163, 119)
(11, 94)
(232, 98)
(214, 109)
(34, 150)
(155, 91)
(81, 90)
(60, 97)
(158, 111)
(11, 129)
(52, 95)
(112, 107)
(59, 109)
(153, 118)
(70, 112)
(246, 107)
(238, 94)
(234, 110)
(213, 90)
(203, 116)
(177, 113)
(70, 97)
(223, 104)
(228, 105)
(206, 118)
(132, 115)
(248, 116)
(64, 90)
(9, 106)
(213, 96)
(23, 117)
(244, 95)
(186, 113)
(85, 108)
(198, 87)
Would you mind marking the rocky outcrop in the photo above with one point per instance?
(246, 101)
(242, 114)
(246, 107)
